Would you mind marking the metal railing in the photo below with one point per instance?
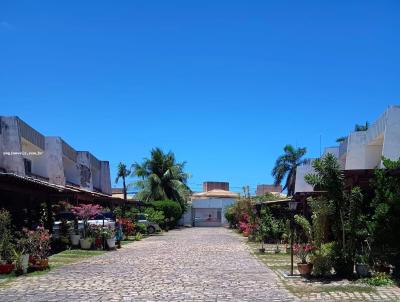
(30, 134)
(68, 151)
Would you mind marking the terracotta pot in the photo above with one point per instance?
(39, 264)
(305, 269)
(246, 234)
(6, 268)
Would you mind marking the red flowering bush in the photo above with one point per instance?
(128, 227)
(245, 226)
(303, 251)
(85, 212)
(38, 242)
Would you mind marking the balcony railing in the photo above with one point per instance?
(343, 147)
(30, 134)
(68, 151)
(377, 128)
(94, 162)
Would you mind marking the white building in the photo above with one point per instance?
(362, 150)
(28, 153)
(208, 208)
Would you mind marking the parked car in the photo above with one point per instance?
(151, 227)
(105, 217)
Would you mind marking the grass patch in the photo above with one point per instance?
(307, 290)
(281, 262)
(55, 261)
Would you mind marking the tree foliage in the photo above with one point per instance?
(122, 173)
(385, 223)
(171, 209)
(342, 208)
(161, 178)
(286, 165)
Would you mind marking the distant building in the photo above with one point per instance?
(26, 152)
(264, 189)
(362, 150)
(215, 185)
(207, 208)
(119, 193)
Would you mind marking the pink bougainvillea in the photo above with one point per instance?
(85, 212)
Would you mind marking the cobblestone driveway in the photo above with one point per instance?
(199, 264)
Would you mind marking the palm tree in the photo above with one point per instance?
(122, 173)
(161, 178)
(286, 166)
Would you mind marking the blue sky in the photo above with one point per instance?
(223, 84)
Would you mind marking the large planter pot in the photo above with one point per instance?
(75, 239)
(6, 268)
(86, 243)
(39, 264)
(111, 243)
(246, 234)
(362, 270)
(25, 263)
(344, 269)
(305, 269)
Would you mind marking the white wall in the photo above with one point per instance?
(214, 203)
(356, 151)
(71, 171)
(53, 156)
(391, 143)
(301, 185)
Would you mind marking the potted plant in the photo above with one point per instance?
(362, 266)
(21, 253)
(85, 212)
(261, 232)
(75, 236)
(19, 262)
(39, 248)
(6, 265)
(303, 252)
(96, 232)
(109, 234)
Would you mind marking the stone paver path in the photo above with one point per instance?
(199, 264)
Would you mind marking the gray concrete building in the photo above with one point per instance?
(27, 152)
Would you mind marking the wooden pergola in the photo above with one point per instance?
(24, 197)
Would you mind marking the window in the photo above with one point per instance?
(28, 166)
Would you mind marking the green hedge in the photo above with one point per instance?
(171, 209)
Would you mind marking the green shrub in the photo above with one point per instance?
(379, 279)
(171, 209)
(141, 228)
(230, 216)
(6, 246)
(322, 260)
(155, 216)
(138, 236)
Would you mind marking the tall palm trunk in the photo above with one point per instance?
(124, 188)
